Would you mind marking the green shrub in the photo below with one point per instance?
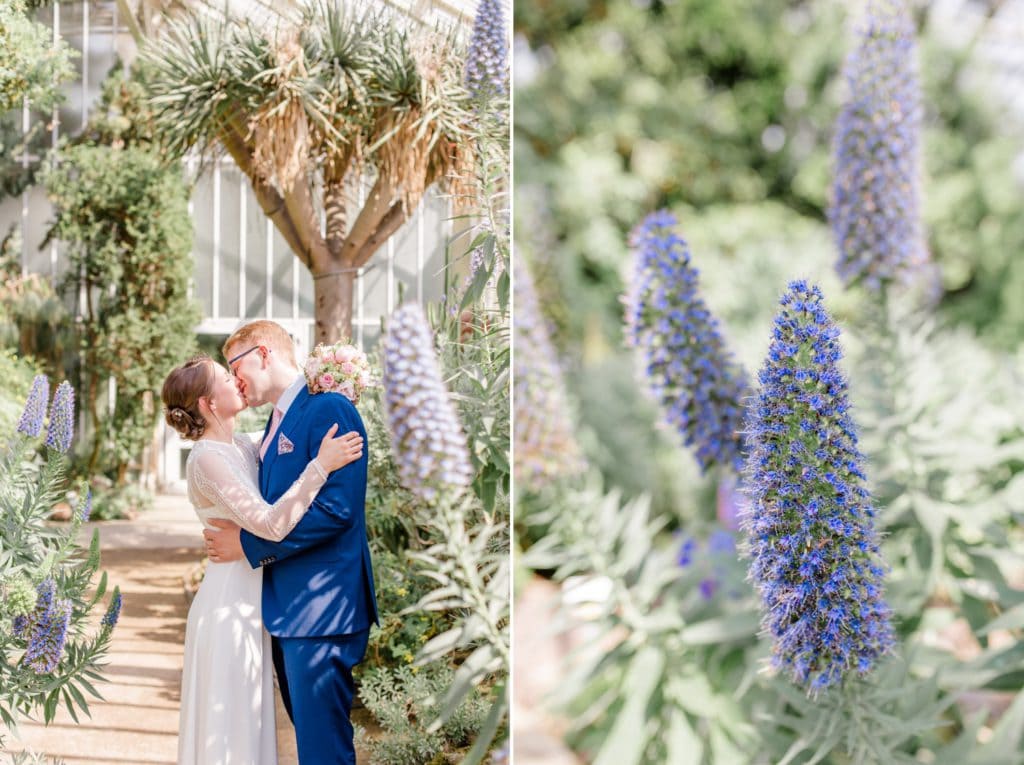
(404, 703)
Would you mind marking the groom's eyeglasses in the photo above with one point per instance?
(231, 362)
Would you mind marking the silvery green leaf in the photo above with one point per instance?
(682, 744)
(625, 744)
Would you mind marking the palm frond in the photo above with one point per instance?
(193, 84)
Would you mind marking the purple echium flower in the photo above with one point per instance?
(85, 509)
(545, 446)
(691, 373)
(426, 435)
(684, 557)
(110, 618)
(62, 418)
(810, 522)
(19, 626)
(31, 421)
(874, 210)
(487, 61)
(49, 632)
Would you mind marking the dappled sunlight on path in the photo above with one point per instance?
(138, 721)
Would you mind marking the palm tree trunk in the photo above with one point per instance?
(334, 296)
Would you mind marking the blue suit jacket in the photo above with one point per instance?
(318, 580)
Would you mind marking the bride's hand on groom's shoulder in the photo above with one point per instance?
(335, 453)
(223, 545)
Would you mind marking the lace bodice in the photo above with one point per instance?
(223, 483)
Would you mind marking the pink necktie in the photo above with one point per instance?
(275, 420)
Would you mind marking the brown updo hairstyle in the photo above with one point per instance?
(183, 388)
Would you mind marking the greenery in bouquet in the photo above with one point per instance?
(51, 644)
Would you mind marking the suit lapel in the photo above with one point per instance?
(289, 419)
(262, 472)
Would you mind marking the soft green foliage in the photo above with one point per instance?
(123, 213)
(33, 67)
(16, 375)
(402, 700)
(466, 554)
(655, 681)
(723, 111)
(944, 423)
(32, 551)
(390, 508)
(33, 318)
(624, 117)
(116, 502)
(401, 634)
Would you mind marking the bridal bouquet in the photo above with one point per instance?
(341, 368)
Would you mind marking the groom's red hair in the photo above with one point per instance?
(262, 332)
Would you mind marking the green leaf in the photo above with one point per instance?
(1008, 734)
(626, 741)
(1010, 620)
(739, 626)
(490, 727)
(683, 745)
(476, 288)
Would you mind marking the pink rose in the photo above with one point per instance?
(348, 368)
(326, 381)
(345, 353)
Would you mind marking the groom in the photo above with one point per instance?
(318, 595)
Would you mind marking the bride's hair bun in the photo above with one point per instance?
(182, 390)
(188, 426)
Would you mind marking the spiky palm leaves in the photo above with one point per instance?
(309, 111)
(338, 88)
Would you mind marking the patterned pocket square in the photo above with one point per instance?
(284, 446)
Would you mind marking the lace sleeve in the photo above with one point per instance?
(222, 484)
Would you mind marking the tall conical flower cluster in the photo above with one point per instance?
(690, 371)
(109, 620)
(487, 62)
(426, 436)
(49, 630)
(875, 206)
(62, 418)
(85, 508)
(31, 421)
(545, 446)
(810, 524)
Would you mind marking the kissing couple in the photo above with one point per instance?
(290, 581)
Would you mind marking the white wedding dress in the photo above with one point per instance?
(227, 691)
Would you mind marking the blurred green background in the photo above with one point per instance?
(723, 111)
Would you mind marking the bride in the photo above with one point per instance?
(227, 692)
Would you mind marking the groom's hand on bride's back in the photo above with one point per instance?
(223, 545)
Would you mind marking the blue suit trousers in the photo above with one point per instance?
(322, 666)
